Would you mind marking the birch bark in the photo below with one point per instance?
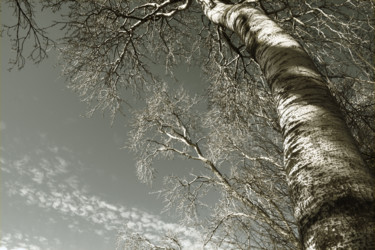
(330, 184)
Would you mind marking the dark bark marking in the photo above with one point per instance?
(244, 29)
(345, 206)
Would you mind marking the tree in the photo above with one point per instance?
(325, 171)
(169, 126)
(274, 73)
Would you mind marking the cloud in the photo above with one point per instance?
(21, 241)
(46, 181)
(109, 217)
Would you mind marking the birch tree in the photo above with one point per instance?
(300, 70)
(169, 127)
(325, 171)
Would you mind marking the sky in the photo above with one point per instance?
(66, 182)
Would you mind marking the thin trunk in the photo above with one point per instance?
(330, 184)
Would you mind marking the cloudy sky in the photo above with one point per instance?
(65, 181)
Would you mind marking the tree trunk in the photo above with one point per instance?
(330, 184)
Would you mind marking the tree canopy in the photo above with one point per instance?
(112, 49)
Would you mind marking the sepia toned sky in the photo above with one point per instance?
(65, 181)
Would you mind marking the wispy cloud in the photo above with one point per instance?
(109, 217)
(22, 241)
(46, 180)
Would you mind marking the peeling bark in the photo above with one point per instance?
(330, 184)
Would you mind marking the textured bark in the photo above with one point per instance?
(330, 184)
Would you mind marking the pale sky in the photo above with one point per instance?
(65, 181)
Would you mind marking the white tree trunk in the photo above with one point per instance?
(330, 185)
